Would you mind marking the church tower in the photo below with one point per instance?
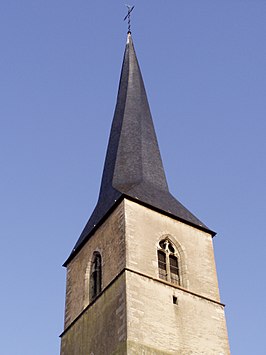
(141, 278)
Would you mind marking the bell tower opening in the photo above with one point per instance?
(168, 262)
(96, 276)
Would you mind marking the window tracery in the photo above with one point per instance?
(168, 262)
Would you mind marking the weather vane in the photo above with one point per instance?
(129, 10)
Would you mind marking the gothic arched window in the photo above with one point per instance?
(96, 275)
(168, 262)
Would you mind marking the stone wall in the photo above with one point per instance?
(101, 328)
(156, 325)
(136, 312)
(145, 228)
(109, 240)
(196, 324)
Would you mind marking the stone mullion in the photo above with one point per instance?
(168, 272)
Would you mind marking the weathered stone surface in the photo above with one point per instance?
(135, 313)
(155, 325)
(102, 327)
(145, 228)
(109, 240)
(193, 326)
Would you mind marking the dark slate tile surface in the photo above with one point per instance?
(133, 165)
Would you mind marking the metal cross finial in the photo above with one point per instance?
(129, 10)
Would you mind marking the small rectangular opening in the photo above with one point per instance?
(174, 300)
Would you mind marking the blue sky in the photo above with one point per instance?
(204, 67)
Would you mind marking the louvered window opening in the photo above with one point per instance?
(168, 263)
(96, 276)
(162, 265)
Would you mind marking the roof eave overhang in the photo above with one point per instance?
(114, 206)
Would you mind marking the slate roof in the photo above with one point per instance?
(133, 166)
